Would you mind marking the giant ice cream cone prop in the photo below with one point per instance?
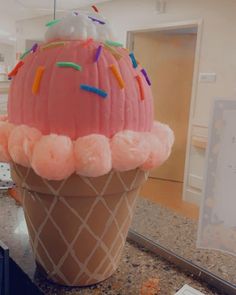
(81, 139)
(78, 227)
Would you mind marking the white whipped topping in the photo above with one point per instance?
(80, 26)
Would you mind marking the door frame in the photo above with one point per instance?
(198, 23)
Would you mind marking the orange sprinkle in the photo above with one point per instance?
(95, 8)
(150, 287)
(140, 84)
(88, 42)
(16, 68)
(117, 76)
(37, 79)
(15, 195)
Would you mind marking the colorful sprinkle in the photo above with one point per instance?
(15, 70)
(37, 79)
(75, 13)
(97, 20)
(66, 64)
(116, 54)
(98, 53)
(95, 8)
(113, 43)
(88, 42)
(140, 84)
(53, 44)
(146, 76)
(134, 62)
(95, 90)
(53, 22)
(25, 53)
(117, 76)
(34, 47)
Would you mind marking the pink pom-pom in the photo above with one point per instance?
(92, 155)
(53, 157)
(3, 118)
(159, 152)
(5, 131)
(164, 134)
(129, 150)
(21, 143)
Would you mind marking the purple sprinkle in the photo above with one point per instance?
(98, 52)
(96, 20)
(34, 47)
(76, 13)
(146, 76)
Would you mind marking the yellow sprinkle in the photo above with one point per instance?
(117, 76)
(52, 45)
(116, 54)
(37, 79)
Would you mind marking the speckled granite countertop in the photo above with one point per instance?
(137, 265)
(179, 234)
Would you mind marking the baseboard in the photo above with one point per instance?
(195, 181)
(193, 196)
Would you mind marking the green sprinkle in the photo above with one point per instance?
(113, 43)
(66, 64)
(52, 22)
(25, 53)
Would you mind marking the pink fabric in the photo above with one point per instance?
(61, 107)
(21, 144)
(164, 133)
(92, 155)
(53, 157)
(129, 150)
(5, 130)
(3, 118)
(158, 153)
(56, 157)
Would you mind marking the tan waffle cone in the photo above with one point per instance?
(78, 226)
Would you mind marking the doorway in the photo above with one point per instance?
(169, 57)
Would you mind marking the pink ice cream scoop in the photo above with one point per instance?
(62, 105)
(78, 84)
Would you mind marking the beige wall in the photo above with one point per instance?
(218, 47)
(217, 55)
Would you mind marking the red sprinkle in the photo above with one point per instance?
(95, 8)
(88, 42)
(16, 68)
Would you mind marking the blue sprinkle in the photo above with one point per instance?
(134, 62)
(97, 20)
(94, 90)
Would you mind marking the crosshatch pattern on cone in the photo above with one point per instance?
(78, 227)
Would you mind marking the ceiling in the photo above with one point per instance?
(13, 10)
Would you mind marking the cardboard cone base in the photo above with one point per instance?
(78, 226)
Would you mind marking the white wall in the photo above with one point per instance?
(30, 29)
(217, 55)
(8, 51)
